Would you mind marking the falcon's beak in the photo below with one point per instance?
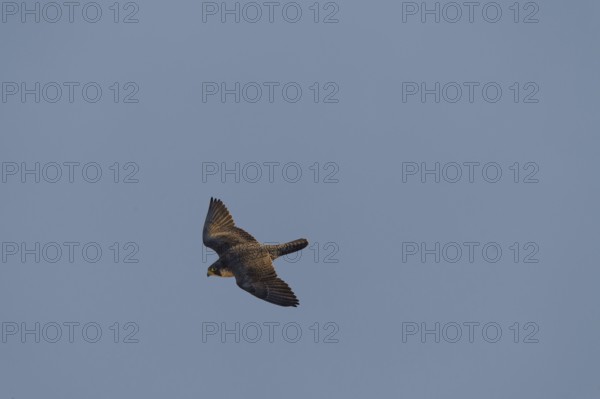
(209, 273)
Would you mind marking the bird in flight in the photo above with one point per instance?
(243, 257)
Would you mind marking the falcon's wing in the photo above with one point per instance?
(220, 232)
(269, 288)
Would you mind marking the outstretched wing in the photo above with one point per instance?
(220, 232)
(268, 287)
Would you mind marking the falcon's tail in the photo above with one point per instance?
(283, 249)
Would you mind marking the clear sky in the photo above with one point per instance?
(444, 173)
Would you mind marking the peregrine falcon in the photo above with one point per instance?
(243, 257)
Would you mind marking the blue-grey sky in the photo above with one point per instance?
(440, 157)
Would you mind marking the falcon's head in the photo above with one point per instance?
(212, 271)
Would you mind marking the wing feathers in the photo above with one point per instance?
(273, 290)
(219, 231)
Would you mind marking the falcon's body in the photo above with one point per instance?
(243, 257)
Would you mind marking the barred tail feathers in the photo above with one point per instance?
(283, 249)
